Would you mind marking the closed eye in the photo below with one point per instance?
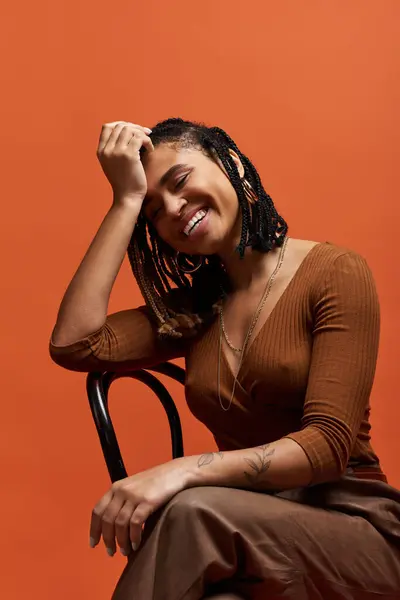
(181, 181)
(179, 184)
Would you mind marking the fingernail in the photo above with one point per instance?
(124, 552)
(134, 546)
(110, 552)
(147, 130)
(92, 542)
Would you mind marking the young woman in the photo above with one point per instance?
(280, 338)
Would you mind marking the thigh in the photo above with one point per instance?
(221, 540)
(283, 543)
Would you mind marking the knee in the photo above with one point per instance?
(191, 506)
(233, 503)
(187, 518)
(192, 501)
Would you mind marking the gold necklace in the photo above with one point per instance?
(249, 332)
(228, 341)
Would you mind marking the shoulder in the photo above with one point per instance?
(338, 271)
(326, 259)
(328, 253)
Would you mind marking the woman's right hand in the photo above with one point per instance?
(119, 155)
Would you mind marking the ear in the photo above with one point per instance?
(237, 162)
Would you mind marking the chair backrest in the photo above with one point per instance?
(97, 387)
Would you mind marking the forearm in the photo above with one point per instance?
(84, 307)
(277, 466)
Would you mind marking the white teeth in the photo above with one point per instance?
(194, 221)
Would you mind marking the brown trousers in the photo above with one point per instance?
(336, 541)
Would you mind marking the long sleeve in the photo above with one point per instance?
(128, 340)
(343, 361)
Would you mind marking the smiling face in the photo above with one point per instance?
(190, 200)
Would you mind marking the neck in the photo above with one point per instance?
(254, 266)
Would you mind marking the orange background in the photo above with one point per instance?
(310, 90)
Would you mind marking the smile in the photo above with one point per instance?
(194, 222)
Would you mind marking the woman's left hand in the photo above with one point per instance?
(122, 511)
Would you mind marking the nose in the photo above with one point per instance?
(173, 206)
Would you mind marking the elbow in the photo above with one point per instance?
(334, 452)
(77, 356)
(337, 442)
(60, 338)
(339, 468)
(62, 358)
(328, 449)
(332, 469)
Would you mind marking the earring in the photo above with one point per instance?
(248, 190)
(187, 264)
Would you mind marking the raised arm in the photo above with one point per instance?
(84, 338)
(83, 309)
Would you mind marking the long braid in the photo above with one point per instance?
(152, 260)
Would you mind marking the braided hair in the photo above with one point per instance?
(181, 302)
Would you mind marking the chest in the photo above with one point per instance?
(273, 375)
(245, 315)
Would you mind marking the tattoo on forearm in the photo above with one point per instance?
(206, 459)
(259, 465)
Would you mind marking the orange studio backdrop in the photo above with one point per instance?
(308, 89)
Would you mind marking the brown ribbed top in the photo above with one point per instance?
(307, 375)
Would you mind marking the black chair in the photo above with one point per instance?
(97, 387)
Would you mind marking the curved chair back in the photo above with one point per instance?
(97, 387)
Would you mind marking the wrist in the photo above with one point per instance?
(189, 472)
(128, 201)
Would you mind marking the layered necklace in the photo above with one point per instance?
(253, 323)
